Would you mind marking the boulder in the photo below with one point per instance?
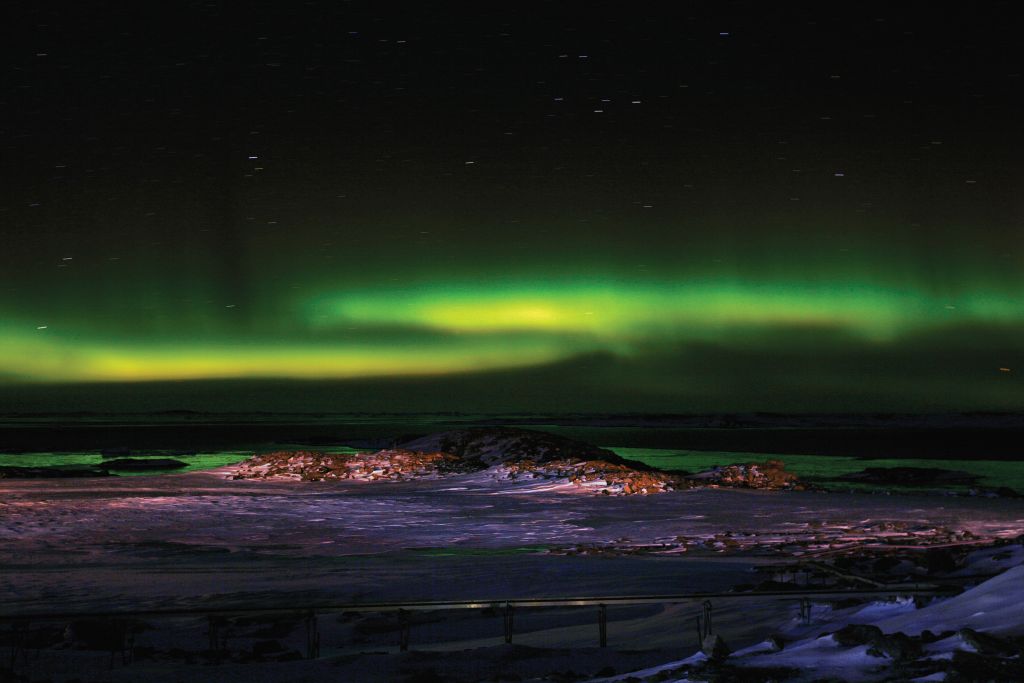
(898, 646)
(857, 634)
(988, 644)
(909, 476)
(770, 474)
(714, 647)
(495, 445)
(392, 465)
(64, 471)
(144, 464)
(970, 667)
(929, 637)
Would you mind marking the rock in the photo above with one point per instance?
(512, 454)
(898, 646)
(857, 634)
(53, 472)
(140, 464)
(909, 476)
(988, 644)
(714, 647)
(775, 643)
(392, 465)
(495, 445)
(614, 478)
(770, 474)
(972, 667)
(929, 637)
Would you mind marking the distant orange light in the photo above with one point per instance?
(1004, 369)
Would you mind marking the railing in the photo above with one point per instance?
(121, 638)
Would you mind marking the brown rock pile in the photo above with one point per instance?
(494, 445)
(509, 454)
(606, 477)
(770, 474)
(393, 465)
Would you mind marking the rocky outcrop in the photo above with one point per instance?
(516, 454)
(754, 475)
(507, 454)
(603, 476)
(495, 445)
(393, 465)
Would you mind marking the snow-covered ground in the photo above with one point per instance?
(59, 538)
(199, 539)
(993, 607)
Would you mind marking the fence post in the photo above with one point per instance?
(218, 641)
(602, 624)
(508, 622)
(19, 642)
(805, 611)
(404, 627)
(312, 636)
(704, 627)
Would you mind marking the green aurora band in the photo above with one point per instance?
(459, 326)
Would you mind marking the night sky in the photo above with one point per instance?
(526, 206)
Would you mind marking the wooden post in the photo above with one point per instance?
(602, 625)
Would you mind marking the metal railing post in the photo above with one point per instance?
(508, 622)
(403, 630)
(312, 636)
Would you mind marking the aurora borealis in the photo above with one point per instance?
(545, 208)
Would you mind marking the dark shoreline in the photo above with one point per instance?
(959, 436)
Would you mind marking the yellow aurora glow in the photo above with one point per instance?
(475, 327)
(667, 310)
